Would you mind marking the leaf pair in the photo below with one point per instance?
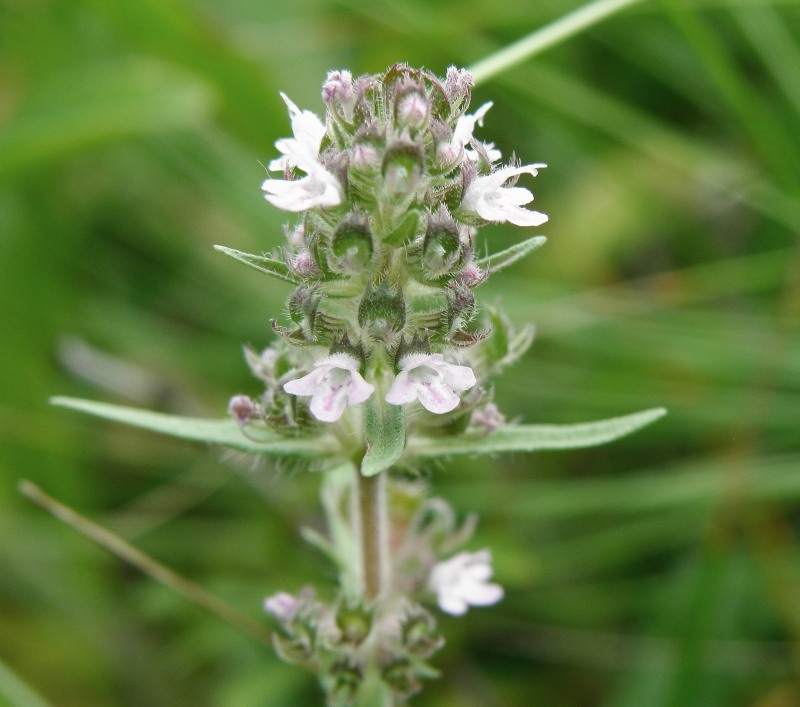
(385, 429)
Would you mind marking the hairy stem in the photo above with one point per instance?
(371, 509)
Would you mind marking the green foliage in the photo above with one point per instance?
(498, 261)
(385, 430)
(225, 432)
(530, 438)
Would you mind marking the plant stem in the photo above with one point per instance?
(124, 550)
(371, 509)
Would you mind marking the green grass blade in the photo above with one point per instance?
(132, 555)
(544, 38)
(16, 691)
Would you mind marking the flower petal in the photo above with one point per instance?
(401, 391)
(437, 397)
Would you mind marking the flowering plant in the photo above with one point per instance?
(385, 364)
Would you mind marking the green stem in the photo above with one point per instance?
(124, 550)
(547, 36)
(371, 509)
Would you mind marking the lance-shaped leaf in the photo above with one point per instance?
(529, 438)
(504, 258)
(385, 429)
(225, 432)
(262, 263)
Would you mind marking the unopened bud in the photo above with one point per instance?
(282, 606)
(412, 110)
(242, 408)
(472, 276)
(338, 88)
(487, 419)
(304, 265)
(402, 168)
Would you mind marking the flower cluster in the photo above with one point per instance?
(389, 190)
(338, 640)
(388, 193)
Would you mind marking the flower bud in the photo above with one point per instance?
(365, 156)
(339, 94)
(304, 265)
(351, 246)
(472, 276)
(487, 419)
(411, 109)
(282, 606)
(448, 152)
(403, 164)
(242, 408)
(458, 87)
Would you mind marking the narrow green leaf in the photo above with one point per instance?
(16, 691)
(528, 438)
(263, 263)
(225, 431)
(567, 26)
(385, 428)
(504, 258)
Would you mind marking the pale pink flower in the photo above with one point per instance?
(282, 606)
(462, 581)
(431, 380)
(333, 384)
(487, 197)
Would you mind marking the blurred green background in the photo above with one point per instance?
(662, 570)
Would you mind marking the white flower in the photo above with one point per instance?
(462, 581)
(451, 151)
(334, 382)
(430, 379)
(487, 197)
(319, 187)
(465, 126)
(303, 148)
